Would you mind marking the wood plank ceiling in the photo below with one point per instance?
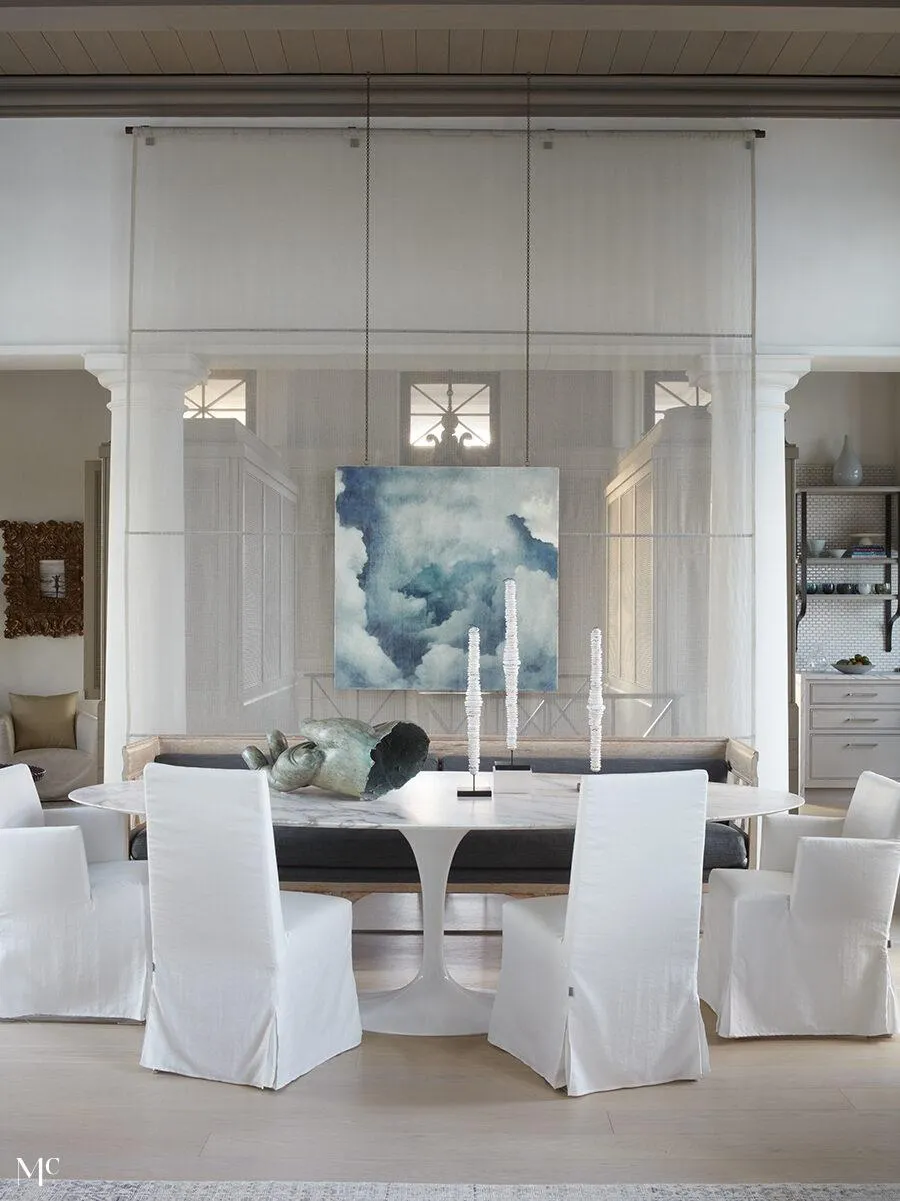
(472, 51)
(736, 38)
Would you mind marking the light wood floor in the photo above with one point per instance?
(454, 1109)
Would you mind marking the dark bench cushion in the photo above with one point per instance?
(483, 856)
(716, 769)
(197, 760)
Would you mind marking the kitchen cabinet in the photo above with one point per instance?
(848, 724)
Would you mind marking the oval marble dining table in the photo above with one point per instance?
(434, 820)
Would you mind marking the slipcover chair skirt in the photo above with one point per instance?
(599, 990)
(249, 985)
(803, 952)
(74, 934)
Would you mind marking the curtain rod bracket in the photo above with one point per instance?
(145, 131)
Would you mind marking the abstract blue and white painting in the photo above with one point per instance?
(422, 553)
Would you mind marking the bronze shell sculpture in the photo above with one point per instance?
(341, 755)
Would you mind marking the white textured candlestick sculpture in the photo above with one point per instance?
(511, 668)
(595, 705)
(473, 701)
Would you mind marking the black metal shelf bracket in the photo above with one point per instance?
(889, 618)
(801, 610)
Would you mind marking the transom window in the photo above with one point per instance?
(219, 396)
(467, 400)
(451, 417)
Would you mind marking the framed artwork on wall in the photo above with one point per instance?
(423, 553)
(43, 578)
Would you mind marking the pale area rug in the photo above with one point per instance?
(248, 1190)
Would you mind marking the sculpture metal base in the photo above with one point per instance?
(473, 791)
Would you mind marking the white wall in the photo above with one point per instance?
(827, 405)
(64, 221)
(51, 421)
(828, 194)
(828, 237)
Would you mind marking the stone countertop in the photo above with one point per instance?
(834, 674)
(430, 801)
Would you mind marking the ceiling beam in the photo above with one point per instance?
(448, 96)
(453, 14)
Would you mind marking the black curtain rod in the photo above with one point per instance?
(137, 129)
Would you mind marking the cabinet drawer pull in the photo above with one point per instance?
(859, 746)
(861, 721)
(860, 694)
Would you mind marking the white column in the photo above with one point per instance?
(729, 627)
(775, 377)
(145, 607)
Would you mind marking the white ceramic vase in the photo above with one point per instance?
(847, 470)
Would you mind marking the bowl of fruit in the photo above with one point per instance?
(857, 665)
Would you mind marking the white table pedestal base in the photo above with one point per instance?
(427, 1006)
(432, 1003)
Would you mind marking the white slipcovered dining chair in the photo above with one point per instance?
(873, 812)
(74, 918)
(20, 805)
(599, 990)
(803, 952)
(105, 833)
(249, 985)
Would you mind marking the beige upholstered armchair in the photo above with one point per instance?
(65, 767)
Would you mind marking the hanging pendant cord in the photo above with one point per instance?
(527, 270)
(368, 230)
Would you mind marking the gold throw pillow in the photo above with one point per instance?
(43, 721)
